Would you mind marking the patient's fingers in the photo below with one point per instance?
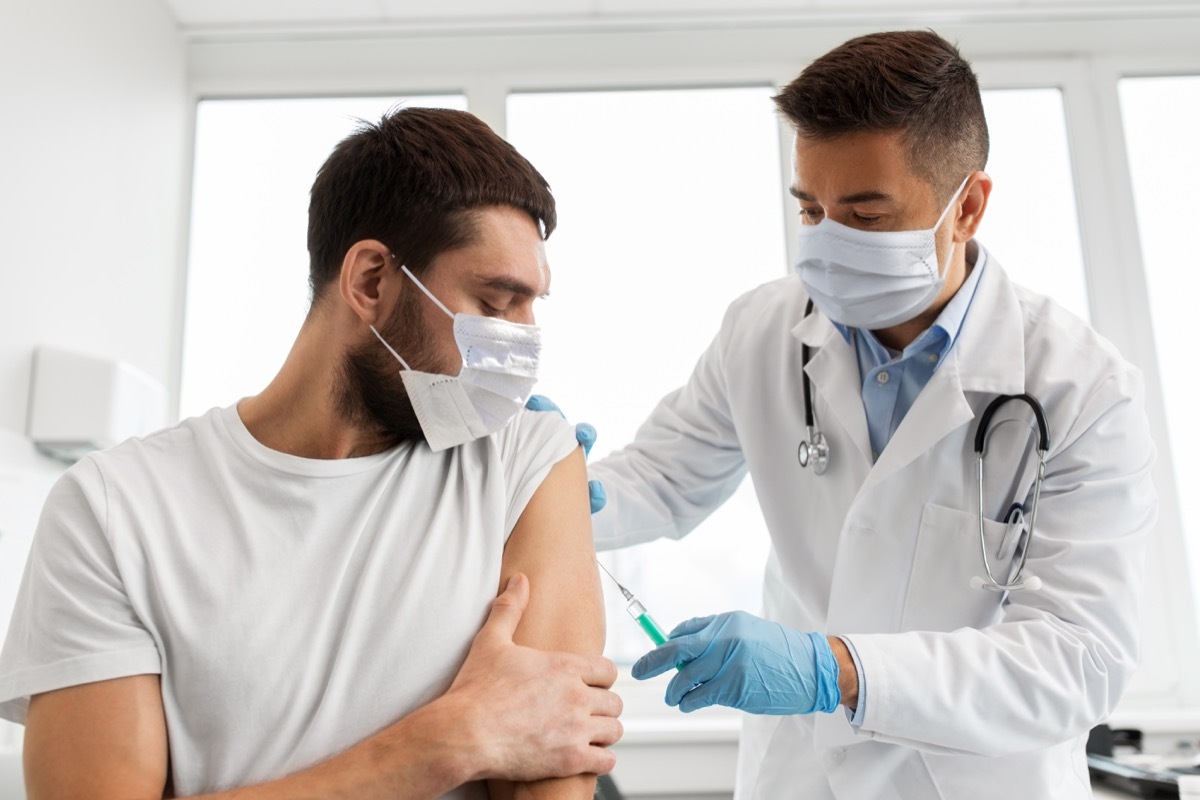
(606, 731)
(605, 703)
(599, 671)
(599, 761)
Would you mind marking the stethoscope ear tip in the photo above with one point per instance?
(977, 582)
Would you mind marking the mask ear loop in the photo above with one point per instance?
(950, 205)
(403, 363)
(428, 293)
(942, 218)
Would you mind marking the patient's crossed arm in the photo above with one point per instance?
(530, 703)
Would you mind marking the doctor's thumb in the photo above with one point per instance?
(507, 609)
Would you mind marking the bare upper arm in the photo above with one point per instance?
(552, 544)
(97, 740)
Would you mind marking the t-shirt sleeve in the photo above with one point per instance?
(72, 622)
(531, 444)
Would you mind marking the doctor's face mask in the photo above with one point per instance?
(872, 279)
(498, 371)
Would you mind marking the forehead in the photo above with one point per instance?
(507, 246)
(854, 163)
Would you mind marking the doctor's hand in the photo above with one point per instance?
(739, 660)
(585, 434)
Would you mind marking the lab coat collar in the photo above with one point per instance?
(990, 352)
(833, 370)
(815, 329)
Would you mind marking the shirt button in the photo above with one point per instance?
(835, 756)
(883, 377)
(933, 358)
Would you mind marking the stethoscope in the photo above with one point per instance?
(814, 452)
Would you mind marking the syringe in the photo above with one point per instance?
(638, 611)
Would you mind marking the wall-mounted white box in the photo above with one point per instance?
(79, 403)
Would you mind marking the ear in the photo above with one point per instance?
(368, 280)
(972, 205)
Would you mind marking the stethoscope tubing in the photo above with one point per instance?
(981, 432)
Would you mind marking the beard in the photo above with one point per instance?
(370, 392)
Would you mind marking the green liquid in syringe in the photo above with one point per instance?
(638, 612)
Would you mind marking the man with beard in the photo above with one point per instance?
(291, 594)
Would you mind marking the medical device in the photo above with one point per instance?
(1033, 583)
(814, 452)
(638, 611)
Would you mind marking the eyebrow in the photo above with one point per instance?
(514, 286)
(873, 196)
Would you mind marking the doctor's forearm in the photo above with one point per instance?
(847, 673)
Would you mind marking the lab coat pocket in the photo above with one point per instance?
(939, 596)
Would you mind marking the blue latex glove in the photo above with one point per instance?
(585, 434)
(742, 661)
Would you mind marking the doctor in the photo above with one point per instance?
(947, 690)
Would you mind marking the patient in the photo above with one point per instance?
(296, 595)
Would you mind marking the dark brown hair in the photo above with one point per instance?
(914, 82)
(413, 181)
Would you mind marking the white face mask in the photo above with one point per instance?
(499, 369)
(872, 279)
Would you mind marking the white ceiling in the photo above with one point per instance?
(215, 16)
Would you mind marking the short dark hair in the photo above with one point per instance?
(415, 181)
(914, 82)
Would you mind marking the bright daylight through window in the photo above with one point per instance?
(663, 221)
(1161, 117)
(247, 289)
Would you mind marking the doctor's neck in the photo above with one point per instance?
(898, 337)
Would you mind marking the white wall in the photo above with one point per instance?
(94, 150)
(95, 132)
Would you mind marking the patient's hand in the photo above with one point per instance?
(532, 713)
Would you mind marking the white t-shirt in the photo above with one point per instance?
(292, 606)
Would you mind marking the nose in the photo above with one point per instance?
(523, 314)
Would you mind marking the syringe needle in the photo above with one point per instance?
(628, 595)
(639, 613)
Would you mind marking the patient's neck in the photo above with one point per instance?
(298, 413)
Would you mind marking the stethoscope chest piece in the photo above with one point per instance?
(814, 452)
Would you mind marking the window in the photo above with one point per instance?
(1161, 117)
(664, 220)
(247, 288)
(1031, 225)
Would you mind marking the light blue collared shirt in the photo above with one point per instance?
(891, 382)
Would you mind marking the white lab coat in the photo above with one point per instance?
(971, 694)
